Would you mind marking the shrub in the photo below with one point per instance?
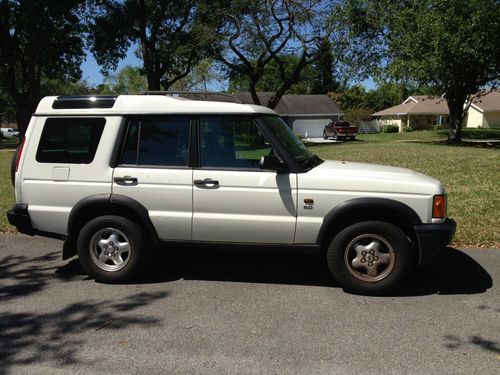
(437, 127)
(407, 129)
(390, 129)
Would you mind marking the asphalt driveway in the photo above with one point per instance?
(220, 312)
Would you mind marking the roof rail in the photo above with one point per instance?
(196, 95)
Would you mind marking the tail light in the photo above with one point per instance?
(18, 156)
(439, 207)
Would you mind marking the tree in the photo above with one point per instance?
(253, 35)
(451, 45)
(323, 80)
(350, 97)
(38, 39)
(201, 75)
(170, 36)
(128, 80)
(271, 81)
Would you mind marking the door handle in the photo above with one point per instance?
(207, 183)
(126, 181)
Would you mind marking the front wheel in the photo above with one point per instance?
(370, 257)
(325, 136)
(113, 249)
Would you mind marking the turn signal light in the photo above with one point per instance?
(439, 207)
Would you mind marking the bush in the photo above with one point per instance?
(390, 129)
(407, 129)
(437, 127)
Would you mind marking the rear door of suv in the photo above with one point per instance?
(152, 168)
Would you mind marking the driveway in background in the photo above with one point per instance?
(220, 312)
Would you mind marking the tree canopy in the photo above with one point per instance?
(38, 39)
(255, 36)
(169, 34)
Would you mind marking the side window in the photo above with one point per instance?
(231, 143)
(70, 140)
(157, 142)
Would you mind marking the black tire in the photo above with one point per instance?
(370, 257)
(110, 235)
(325, 136)
(13, 166)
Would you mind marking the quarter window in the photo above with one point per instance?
(157, 142)
(70, 140)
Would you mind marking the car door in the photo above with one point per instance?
(233, 199)
(153, 170)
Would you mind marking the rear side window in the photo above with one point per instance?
(70, 140)
(157, 142)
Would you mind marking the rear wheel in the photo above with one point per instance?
(113, 249)
(370, 257)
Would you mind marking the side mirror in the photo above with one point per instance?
(271, 162)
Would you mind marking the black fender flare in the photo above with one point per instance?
(343, 208)
(113, 202)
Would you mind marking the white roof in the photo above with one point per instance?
(154, 104)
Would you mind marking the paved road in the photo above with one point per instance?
(214, 312)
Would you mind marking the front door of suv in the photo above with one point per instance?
(153, 170)
(234, 200)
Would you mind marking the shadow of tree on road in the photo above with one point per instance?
(455, 342)
(21, 275)
(30, 338)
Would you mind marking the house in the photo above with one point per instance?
(305, 114)
(418, 112)
(484, 112)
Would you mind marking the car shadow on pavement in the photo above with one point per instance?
(454, 272)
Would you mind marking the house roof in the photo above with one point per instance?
(296, 104)
(418, 105)
(488, 103)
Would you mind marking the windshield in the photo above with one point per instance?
(296, 148)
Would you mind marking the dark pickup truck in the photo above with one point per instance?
(339, 130)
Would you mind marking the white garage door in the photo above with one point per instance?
(313, 127)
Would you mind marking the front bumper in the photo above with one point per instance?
(432, 238)
(20, 218)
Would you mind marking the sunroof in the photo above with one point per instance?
(84, 101)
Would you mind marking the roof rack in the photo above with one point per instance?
(84, 101)
(196, 95)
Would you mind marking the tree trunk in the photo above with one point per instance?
(456, 106)
(25, 107)
(153, 80)
(253, 90)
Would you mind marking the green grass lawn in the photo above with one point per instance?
(6, 190)
(470, 175)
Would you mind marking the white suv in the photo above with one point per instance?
(116, 175)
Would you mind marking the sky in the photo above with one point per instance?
(91, 71)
